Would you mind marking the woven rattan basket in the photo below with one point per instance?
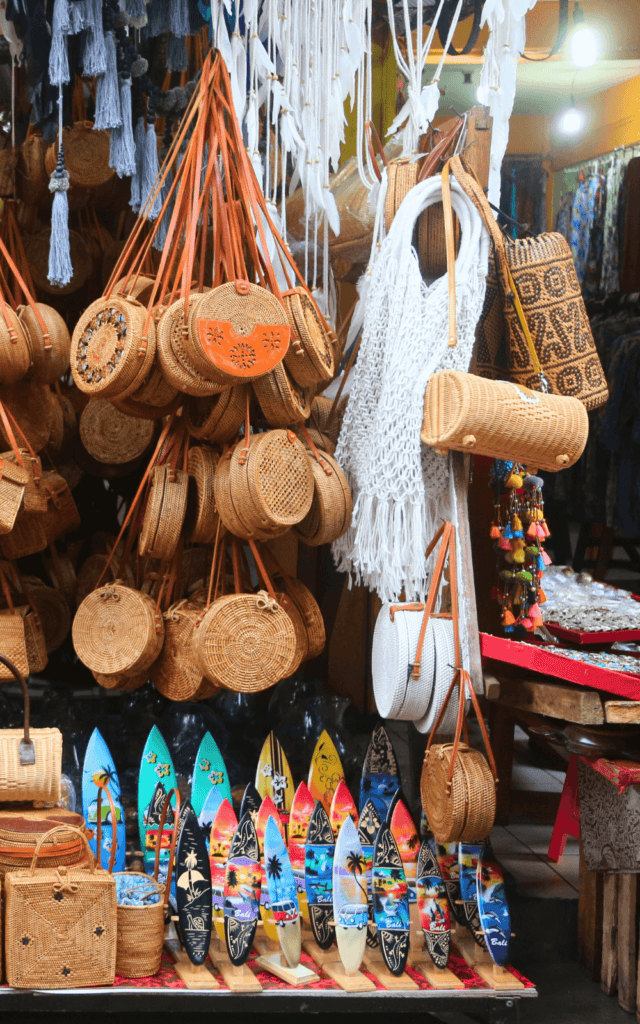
(178, 368)
(245, 642)
(62, 515)
(35, 494)
(176, 674)
(165, 513)
(34, 638)
(86, 157)
(230, 515)
(257, 524)
(118, 629)
(110, 355)
(310, 358)
(21, 826)
(235, 332)
(503, 420)
(13, 481)
(111, 436)
(219, 417)
(331, 509)
(37, 247)
(31, 405)
(26, 538)
(467, 814)
(280, 477)
(53, 611)
(202, 519)
(30, 759)
(14, 348)
(155, 391)
(49, 353)
(310, 613)
(283, 401)
(118, 681)
(32, 180)
(97, 567)
(323, 419)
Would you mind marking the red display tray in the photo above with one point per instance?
(536, 658)
(578, 636)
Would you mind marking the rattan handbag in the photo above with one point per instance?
(202, 519)
(165, 513)
(175, 355)
(49, 341)
(60, 925)
(30, 759)
(21, 828)
(332, 507)
(176, 674)
(503, 420)
(549, 338)
(283, 401)
(219, 417)
(118, 630)
(310, 359)
(112, 348)
(110, 435)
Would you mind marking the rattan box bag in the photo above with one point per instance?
(30, 759)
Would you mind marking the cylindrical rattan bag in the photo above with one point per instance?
(176, 674)
(118, 629)
(21, 826)
(53, 611)
(332, 507)
(30, 759)
(310, 358)
(164, 514)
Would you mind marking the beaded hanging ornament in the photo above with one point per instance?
(519, 531)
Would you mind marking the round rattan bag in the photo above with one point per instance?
(332, 507)
(283, 401)
(49, 342)
(14, 348)
(310, 359)
(280, 478)
(117, 629)
(109, 354)
(202, 519)
(175, 356)
(176, 674)
(246, 642)
(164, 514)
(110, 435)
(218, 417)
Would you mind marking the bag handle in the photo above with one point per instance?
(174, 839)
(63, 828)
(26, 748)
(114, 826)
(450, 245)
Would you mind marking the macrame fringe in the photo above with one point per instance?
(136, 178)
(135, 12)
(180, 22)
(58, 57)
(159, 17)
(108, 114)
(78, 18)
(177, 59)
(94, 56)
(122, 147)
(149, 174)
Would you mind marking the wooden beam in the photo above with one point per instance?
(573, 704)
(627, 966)
(609, 975)
(491, 687)
(590, 919)
(622, 712)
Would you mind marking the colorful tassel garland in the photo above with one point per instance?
(545, 558)
(526, 622)
(518, 556)
(108, 114)
(494, 533)
(542, 597)
(504, 543)
(535, 612)
(122, 147)
(507, 618)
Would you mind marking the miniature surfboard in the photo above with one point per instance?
(318, 876)
(193, 889)
(251, 801)
(350, 897)
(282, 892)
(206, 817)
(209, 771)
(342, 807)
(433, 906)
(390, 901)
(99, 767)
(447, 857)
(242, 892)
(468, 857)
(156, 766)
(223, 830)
(407, 840)
(380, 773)
(267, 810)
(274, 778)
(493, 907)
(368, 828)
(301, 810)
(325, 771)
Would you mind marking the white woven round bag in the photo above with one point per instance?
(445, 660)
(395, 642)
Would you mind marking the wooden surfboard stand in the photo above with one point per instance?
(195, 978)
(272, 960)
(438, 977)
(374, 962)
(238, 979)
(498, 978)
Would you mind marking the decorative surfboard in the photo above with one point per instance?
(242, 892)
(302, 809)
(350, 897)
(493, 907)
(274, 778)
(267, 810)
(193, 889)
(447, 857)
(282, 892)
(469, 855)
(152, 837)
(325, 771)
(99, 768)
(223, 830)
(156, 766)
(209, 771)
(368, 828)
(318, 876)
(342, 807)
(433, 906)
(390, 901)
(407, 840)
(380, 773)
(207, 814)
(251, 801)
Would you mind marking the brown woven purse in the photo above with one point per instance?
(30, 759)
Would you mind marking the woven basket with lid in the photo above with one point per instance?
(22, 825)
(49, 355)
(117, 629)
(219, 417)
(110, 435)
(109, 354)
(34, 638)
(310, 359)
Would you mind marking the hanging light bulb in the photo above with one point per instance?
(584, 43)
(571, 121)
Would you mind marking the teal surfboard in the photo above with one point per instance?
(209, 770)
(156, 766)
(99, 767)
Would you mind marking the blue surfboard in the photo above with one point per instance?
(99, 767)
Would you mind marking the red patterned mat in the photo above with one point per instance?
(167, 977)
(621, 773)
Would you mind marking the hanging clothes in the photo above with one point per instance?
(630, 276)
(563, 216)
(610, 280)
(582, 221)
(593, 269)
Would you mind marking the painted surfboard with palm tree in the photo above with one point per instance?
(390, 901)
(302, 809)
(318, 876)
(282, 893)
(407, 840)
(433, 906)
(99, 769)
(223, 830)
(242, 891)
(350, 897)
(493, 907)
(469, 855)
(209, 772)
(380, 773)
(193, 889)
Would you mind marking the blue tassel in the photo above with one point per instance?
(136, 179)
(108, 114)
(94, 55)
(122, 147)
(149, 175)
(60, 270)
(58, 57)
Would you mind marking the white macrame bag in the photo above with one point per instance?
(401, 488)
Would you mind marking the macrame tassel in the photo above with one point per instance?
(159, 17)
(180, 23)
(78, 18)
(122, 148)
(177, 59)
(60, 268)
(94, 56)
(163, 225)
(135, 11)
(58, 57)
(149, 174)
(136, 178)
(108, 113)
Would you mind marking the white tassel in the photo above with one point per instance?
(108, 113)
(58, 58)
(78, 18)
(122, 149)
(165, 220)
(136, 179)
(60, 269)
(149, 174)
(94, 57)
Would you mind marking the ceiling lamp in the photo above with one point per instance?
(584, 43)
(571, 120)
